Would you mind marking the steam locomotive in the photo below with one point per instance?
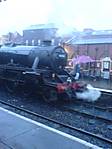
(40, 66)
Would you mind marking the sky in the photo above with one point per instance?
(15, 15)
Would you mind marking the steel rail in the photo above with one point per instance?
(57, 122)
(92, 105)
(85, 113)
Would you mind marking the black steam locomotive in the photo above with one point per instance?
(40, 66)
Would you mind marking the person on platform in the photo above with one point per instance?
(76, 71)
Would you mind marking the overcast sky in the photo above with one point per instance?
(18, 14)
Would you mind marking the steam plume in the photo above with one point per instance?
(90, 95)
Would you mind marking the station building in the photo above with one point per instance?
(97, 45)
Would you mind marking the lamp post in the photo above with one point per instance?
(95, 64)
(78, 50)
(87, 49)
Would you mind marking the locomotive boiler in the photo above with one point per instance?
(40, 66)
(25, 56)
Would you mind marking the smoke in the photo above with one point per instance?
(62, 15)
(64, 31)
(89, 95)
(16, 15)
(26, 13)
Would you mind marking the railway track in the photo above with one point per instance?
(31, 107)
(105, 101)
(53, 122)
(93, 111)
(89, 114)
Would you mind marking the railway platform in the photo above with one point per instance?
(18, 132)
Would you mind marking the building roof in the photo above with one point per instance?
(102, 32)
(41, 26)
(92, 37)
(91, 41)
(96, 32)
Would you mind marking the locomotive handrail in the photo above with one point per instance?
(31, 72)
(70, 75)
(5, 66)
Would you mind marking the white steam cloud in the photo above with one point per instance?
(64, 31)
(89, 95)
(18, 14)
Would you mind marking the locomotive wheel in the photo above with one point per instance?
(11, 86)
(27, 90)
(50, 95)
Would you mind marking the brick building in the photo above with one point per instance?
(11, 38)
(36, 34)
(96, 44)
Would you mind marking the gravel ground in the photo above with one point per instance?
(104, 100)
(35, 104)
